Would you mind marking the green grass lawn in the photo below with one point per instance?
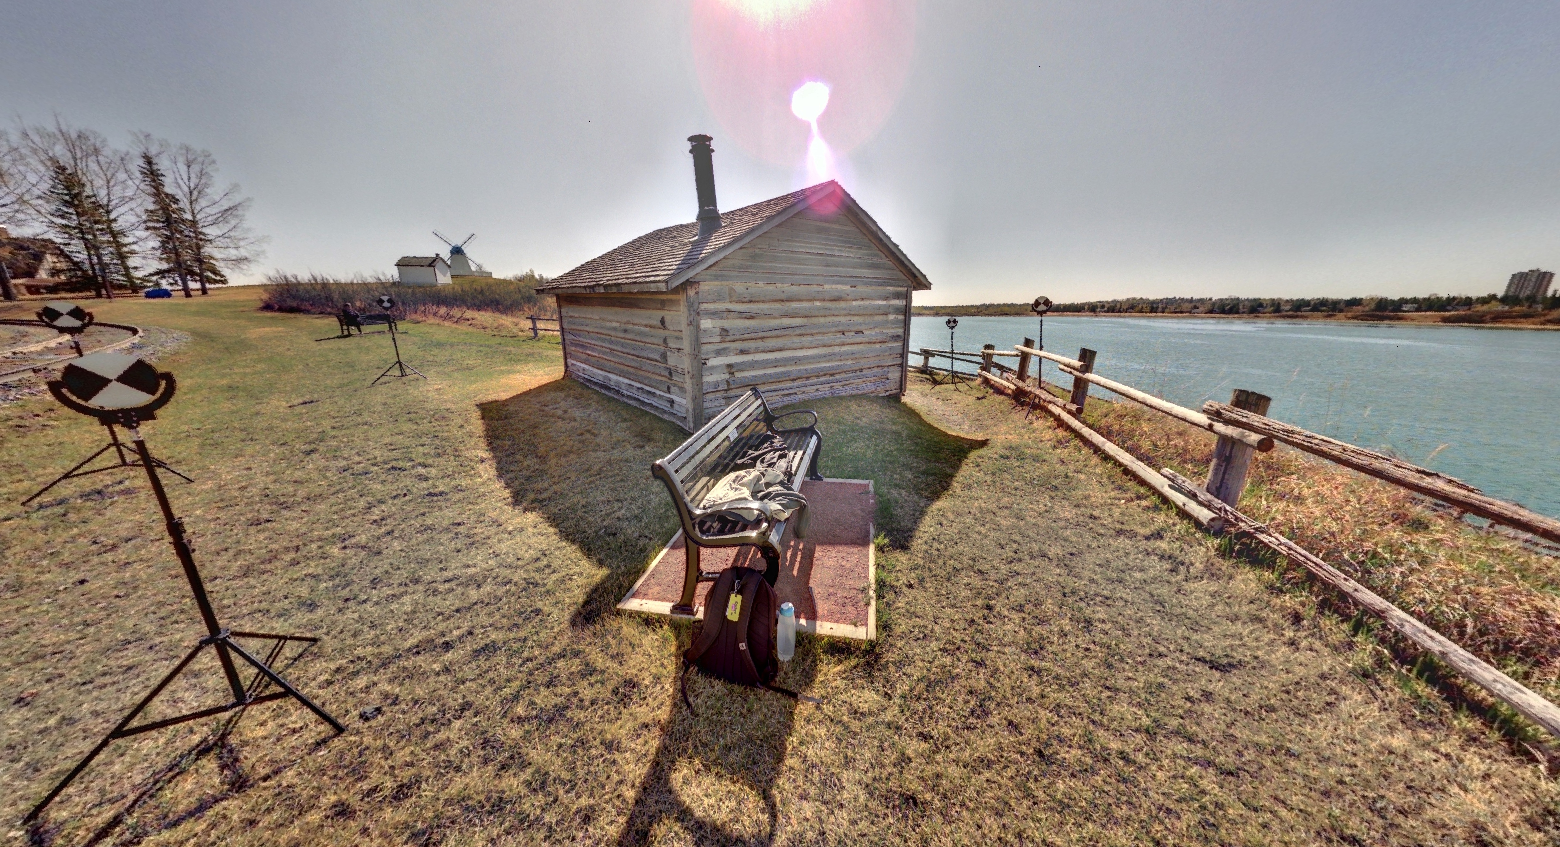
(1061, 661)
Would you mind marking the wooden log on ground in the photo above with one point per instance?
(1061, 411)
(1024, 360)
(1080, 386)
(1020, 349)
(1232, 459)
(1019, 391)
(1201, 421)
(1502, 687)
(1396, 471)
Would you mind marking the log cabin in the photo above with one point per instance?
(802, 296)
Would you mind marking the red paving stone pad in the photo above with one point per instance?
(828, 576)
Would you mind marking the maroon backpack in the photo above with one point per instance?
(737, 642)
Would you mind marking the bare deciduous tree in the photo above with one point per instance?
(12, 182)
(219, 237)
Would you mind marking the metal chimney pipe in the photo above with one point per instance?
(704, 183)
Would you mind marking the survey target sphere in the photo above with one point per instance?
(64, 316)
(111, 380)
(1041, 305)
(951, 323)
(386, 302)
(113, 387)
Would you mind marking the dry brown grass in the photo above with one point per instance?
(1063, 660)
(1485, 591)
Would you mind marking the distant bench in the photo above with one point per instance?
(693, 469)
(350, 320)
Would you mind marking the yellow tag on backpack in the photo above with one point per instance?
(734, 607)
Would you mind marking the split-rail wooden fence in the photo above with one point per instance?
(536, 330)
(1243, 430)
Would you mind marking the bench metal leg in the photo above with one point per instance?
(690, 579)
(812, 467)
(771, 564)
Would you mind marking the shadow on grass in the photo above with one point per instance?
(714, 774)
(582, 461)
(217, 744)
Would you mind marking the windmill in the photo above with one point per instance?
(460, 263)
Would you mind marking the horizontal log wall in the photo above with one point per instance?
(810, 309)
(629, 346)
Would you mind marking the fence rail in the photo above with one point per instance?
(536, 330)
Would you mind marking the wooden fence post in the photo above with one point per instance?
(985, 357)
(1023, 362)
(926, 361)
(1232, 459)
(534, 336)
(1080, 388)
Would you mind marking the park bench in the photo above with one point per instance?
(717, 449)
(350, 320)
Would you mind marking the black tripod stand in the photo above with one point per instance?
(953, 375)
(125, 461)
(216, 637)
(398, 364)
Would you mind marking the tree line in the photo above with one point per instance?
(1258, 305)
(123, 218)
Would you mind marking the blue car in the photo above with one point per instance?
(158, 293)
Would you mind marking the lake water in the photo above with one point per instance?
(1479, 404)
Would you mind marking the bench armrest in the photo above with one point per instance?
(813, 424)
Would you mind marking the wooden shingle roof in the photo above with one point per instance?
(666, 258)
(418, 261)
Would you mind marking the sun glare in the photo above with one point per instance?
(767, 12)
(809, 101)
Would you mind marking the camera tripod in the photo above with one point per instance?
(399, 365)
(125, 461)
(217, 637)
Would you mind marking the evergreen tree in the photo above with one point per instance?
(167, 224)
(76, 219)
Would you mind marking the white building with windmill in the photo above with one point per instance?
(460, 263)
(423, 270)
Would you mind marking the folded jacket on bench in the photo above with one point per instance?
(754, 493)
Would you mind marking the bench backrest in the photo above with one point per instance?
(711, 453)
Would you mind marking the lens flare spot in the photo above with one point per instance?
(751, 56)
(809, 101)
(769, 12)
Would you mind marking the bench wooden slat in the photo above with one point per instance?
(692, 470)
(701, 443)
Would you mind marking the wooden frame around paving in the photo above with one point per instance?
(831, 630)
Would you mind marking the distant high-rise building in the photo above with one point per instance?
(1530, 284)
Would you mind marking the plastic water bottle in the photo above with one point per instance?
(785, 635)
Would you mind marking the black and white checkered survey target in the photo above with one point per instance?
(111, 381)
(65, 317)
(386, 302)
(113, 387)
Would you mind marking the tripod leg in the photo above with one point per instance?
(115, 733)
(68, 474)
(284, 685)
(386, 373)
(164, 465)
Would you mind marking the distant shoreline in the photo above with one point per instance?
(1416, 319)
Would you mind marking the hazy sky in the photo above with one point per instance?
(1080, 150)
